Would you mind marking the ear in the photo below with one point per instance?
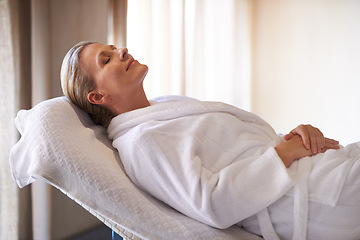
(95, 97)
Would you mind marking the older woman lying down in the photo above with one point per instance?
(214, 162)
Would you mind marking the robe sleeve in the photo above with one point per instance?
(220, 197)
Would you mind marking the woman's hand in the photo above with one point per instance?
(305, 140)
(291, 150)
(294, 149)
(312, 138)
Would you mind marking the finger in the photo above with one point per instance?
(288, 136)
(302, 130)
(331, 140)
(328, 148)
(320, 139)
(317, 140)
(306, 137)
(331, 144)
(324, 149)
(314, 142)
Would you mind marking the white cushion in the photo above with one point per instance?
(60, 144)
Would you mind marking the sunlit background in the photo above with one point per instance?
(290, 62)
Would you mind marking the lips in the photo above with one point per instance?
(131, 61)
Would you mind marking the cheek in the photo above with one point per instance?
(117, 80)
(115, 72)
(114, 76)
(141, 72)
(107, 81)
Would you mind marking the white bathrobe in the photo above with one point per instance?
(217, 164)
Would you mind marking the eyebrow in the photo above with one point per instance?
(98, 58)
(102, 53)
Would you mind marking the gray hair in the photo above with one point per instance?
(77, 83)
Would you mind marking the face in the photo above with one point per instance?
(116, 73)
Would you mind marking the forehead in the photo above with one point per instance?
(89, 56)
(89, 53)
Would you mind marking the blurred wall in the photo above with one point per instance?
(57, 26)
(306, 65)
(71, 22)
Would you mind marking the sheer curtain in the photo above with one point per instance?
(15, 76)
(196, 48)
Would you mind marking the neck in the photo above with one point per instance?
(129, 103)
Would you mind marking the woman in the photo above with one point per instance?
(211, 161)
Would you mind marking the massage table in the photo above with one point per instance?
(61, 146)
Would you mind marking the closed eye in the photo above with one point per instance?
(107, 60)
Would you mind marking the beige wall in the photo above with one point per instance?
(71, 22)
(57, 26)
(306, 65)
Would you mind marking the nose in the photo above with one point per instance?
(123, 54)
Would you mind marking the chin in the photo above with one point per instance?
(145, 69)
(145, 66)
